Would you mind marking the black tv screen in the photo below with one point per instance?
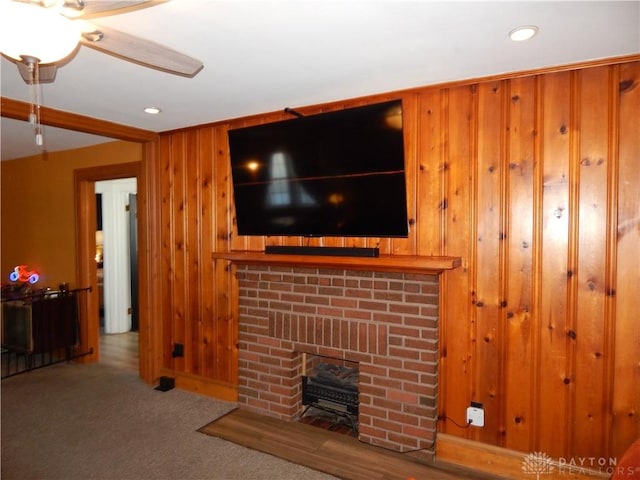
(333, 174)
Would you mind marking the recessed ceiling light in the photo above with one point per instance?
(152, 110)
(523, 33)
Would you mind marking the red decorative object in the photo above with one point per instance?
(22, 274)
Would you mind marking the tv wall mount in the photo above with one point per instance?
(291, 111)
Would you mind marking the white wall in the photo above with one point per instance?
(117, 270)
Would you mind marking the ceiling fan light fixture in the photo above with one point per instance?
(522, 33)
(31, 31)
(152, 110)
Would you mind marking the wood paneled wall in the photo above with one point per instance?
(196, 293)
(535, 182)
(536, 177)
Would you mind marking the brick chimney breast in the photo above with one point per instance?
(387, 323)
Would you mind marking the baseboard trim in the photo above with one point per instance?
(503, 462)
(203, 386)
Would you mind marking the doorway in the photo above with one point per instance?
(116, 255)
(87, 215)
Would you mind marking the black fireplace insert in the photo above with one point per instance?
(334, 389)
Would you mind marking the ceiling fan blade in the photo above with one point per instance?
(86, 9)
(93, 8)
(143, 52)
(46, 73)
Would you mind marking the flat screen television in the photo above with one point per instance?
(339, 173)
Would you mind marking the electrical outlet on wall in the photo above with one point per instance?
(178, 350)
(475, 415)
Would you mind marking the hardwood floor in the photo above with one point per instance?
(120, 350)
(329, 452)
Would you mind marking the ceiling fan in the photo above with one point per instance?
(107, 40)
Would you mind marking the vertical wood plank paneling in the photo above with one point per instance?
(537, 280)
(626, 391)
(149, 281)
(534, 182)
(572, 253)
(588, 334)
(197, 207)
(166, 248)
(554, 381)
(488, 260)
(207, 279)
(226, 339)
(410, 120)
(458, 329)
(226, 336)
(611, 267)
(519, 393)
(429, 192)
(192, 168)
(180, 259)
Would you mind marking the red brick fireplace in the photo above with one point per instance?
(386, 322)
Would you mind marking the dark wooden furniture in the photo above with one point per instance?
(40, 324)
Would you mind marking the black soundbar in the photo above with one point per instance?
(328, 251)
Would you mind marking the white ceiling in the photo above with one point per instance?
(261, 56)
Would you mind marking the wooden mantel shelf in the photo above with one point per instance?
(383, 263)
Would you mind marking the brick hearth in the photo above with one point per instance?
(387, 322)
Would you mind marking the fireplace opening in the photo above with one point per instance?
(330, 396)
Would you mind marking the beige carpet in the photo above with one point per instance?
(72, 421)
